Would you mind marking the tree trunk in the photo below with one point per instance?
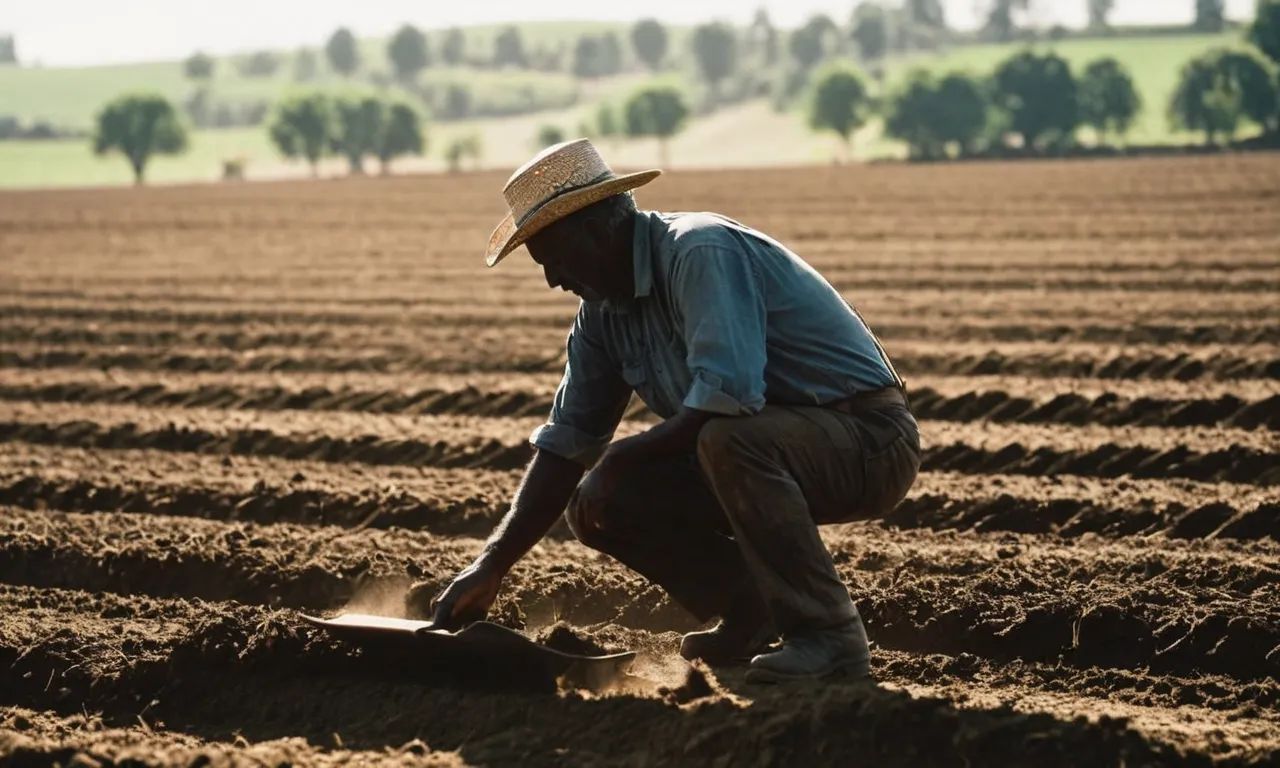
(357, 164)
(139, 165)
(315, 167)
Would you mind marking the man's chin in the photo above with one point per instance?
(588, 295)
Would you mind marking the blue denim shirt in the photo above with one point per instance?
(724, 319)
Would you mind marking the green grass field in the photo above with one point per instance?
(71, 97)
(747, 135)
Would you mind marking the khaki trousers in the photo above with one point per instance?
(737, 524)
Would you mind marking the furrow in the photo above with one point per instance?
(47, 331)
(31, 738)
(1176, 607)
(223, 672)
(1218, 454)
(961, 400)
(470, 502)
(911, 358)
(539, 306)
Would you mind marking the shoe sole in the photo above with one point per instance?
(852, 670)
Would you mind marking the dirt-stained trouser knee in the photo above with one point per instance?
(780, 473)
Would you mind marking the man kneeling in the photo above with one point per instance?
(781, 412)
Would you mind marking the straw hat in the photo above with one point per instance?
(561, 179)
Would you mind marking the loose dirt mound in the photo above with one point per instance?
(222, 407)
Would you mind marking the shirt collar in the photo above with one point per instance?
(642, 255)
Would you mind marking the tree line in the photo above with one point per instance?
(1035, 97)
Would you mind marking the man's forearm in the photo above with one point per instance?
(543, 494)
(677, 435)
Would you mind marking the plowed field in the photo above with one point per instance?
(224, 406)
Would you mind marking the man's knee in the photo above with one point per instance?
(724, 442)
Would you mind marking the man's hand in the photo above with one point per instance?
(468, 597)
(540, 499)
(594, 492)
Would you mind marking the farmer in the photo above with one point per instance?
(781, 412)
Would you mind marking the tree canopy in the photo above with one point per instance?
(715, 47)
(1038, 92)
(508, 48)
(408, 52)
(649, 39)
(454, 48)
(139, 126)
(1220, 88)
(198, 66)
(1264, 32)
(871, 30)
(659, 111)
(342, 52)
(1109, 99)
(841, 102)
(302, 126)
(358, 123)
(401, 134)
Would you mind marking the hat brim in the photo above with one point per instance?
(507, 236)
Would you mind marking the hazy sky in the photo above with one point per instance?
(75, 32)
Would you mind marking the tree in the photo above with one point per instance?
(871, 31)
(928, 14)
(610, 54)
(1039, 94)
(930, 114)
(1001, 24)
(587, 57)
(1204, 101)
(260, 64)
(199, 66)
(9, 50)
(508, 49)
(358, 124)
(912, 117)
(306, 65)
(1223, 86)
(408, 53)
(963, 111)
(1109, 100)
(606, 122)
(342, 52)
(659, 111)
(808, 44)
(454, 48)
(302, 126)
(1264, 32)
(1210, 15)
(1255, 79)
(401, 134)
(463, 146)
(841, 103)
(762, 36)
(1100, 13)
(649, 39)
(457, 101)
(715, 47)
(138, 126)
(547, 136)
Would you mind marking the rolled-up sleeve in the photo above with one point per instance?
(588, 404)
(720, 296)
